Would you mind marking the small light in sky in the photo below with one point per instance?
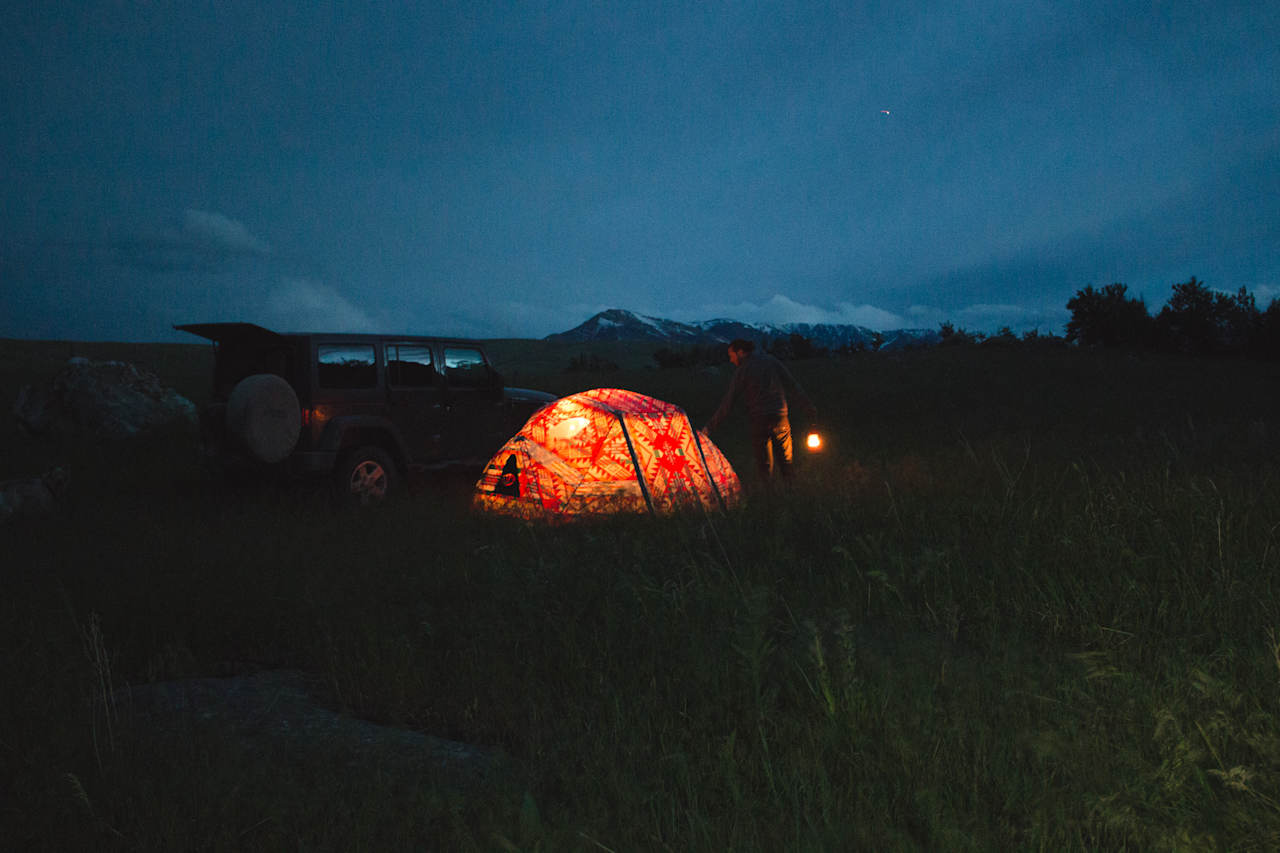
(885, 112)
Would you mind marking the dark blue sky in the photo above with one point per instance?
(510, 169)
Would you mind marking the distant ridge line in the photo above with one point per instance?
(617, 324)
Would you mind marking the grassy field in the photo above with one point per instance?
(1025, 600)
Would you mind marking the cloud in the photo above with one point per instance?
(926, 316)
(299, 304)
(989, 318)
(215, 230)
(871, 317)
(516, 319)
(992, 317)
(200, 241)
(783, 309)
(1264, 293)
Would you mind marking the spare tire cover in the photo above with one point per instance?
(263, 412)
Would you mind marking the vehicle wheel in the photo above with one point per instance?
(365, 476)
(263, 412)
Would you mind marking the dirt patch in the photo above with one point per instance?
(277, 707)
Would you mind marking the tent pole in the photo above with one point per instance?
(635, 462)
(705, 467)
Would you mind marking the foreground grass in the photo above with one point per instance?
(1025, 602)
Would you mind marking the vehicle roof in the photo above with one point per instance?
(248, 332)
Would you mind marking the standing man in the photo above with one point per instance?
(764, 383)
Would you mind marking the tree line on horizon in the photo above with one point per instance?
(1195, 321)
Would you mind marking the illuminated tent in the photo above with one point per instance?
(606, 451)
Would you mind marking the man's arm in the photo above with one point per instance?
(726, 405)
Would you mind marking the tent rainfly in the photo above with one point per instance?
(606, 451)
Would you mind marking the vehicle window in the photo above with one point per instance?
(465, 367)
(346, 366)
(409, 365)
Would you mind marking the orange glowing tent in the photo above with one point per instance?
(606, 451)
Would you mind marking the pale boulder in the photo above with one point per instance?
(109, 399)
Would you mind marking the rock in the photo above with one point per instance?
(111, 399)
(33, 496)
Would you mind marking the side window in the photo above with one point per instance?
(346, 366)
(465, 367)
(409, 366)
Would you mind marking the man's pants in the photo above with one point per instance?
(768, 437)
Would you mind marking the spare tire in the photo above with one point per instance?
(263, 412)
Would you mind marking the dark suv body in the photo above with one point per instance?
(362, 408)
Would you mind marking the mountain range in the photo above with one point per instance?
(618, 324)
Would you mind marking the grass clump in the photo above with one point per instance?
(1020, 603)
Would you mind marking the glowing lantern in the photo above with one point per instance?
(813, 441)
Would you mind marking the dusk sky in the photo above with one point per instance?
(508, 170)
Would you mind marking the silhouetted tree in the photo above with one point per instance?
(1004, 337)
(1035, 337)
(1108, 317)
(1200, 321)
(949, 335)
(1238, 321)
(1187, 323)
(1266, 343)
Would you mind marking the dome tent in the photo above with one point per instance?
(606, 451)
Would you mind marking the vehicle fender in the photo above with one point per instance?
(350, 430)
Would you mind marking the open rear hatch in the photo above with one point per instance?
(243, 349)
(233, 333)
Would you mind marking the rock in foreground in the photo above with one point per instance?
(109, 399)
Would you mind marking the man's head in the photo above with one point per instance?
(739, 349)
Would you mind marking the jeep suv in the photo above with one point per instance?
(362, 409)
